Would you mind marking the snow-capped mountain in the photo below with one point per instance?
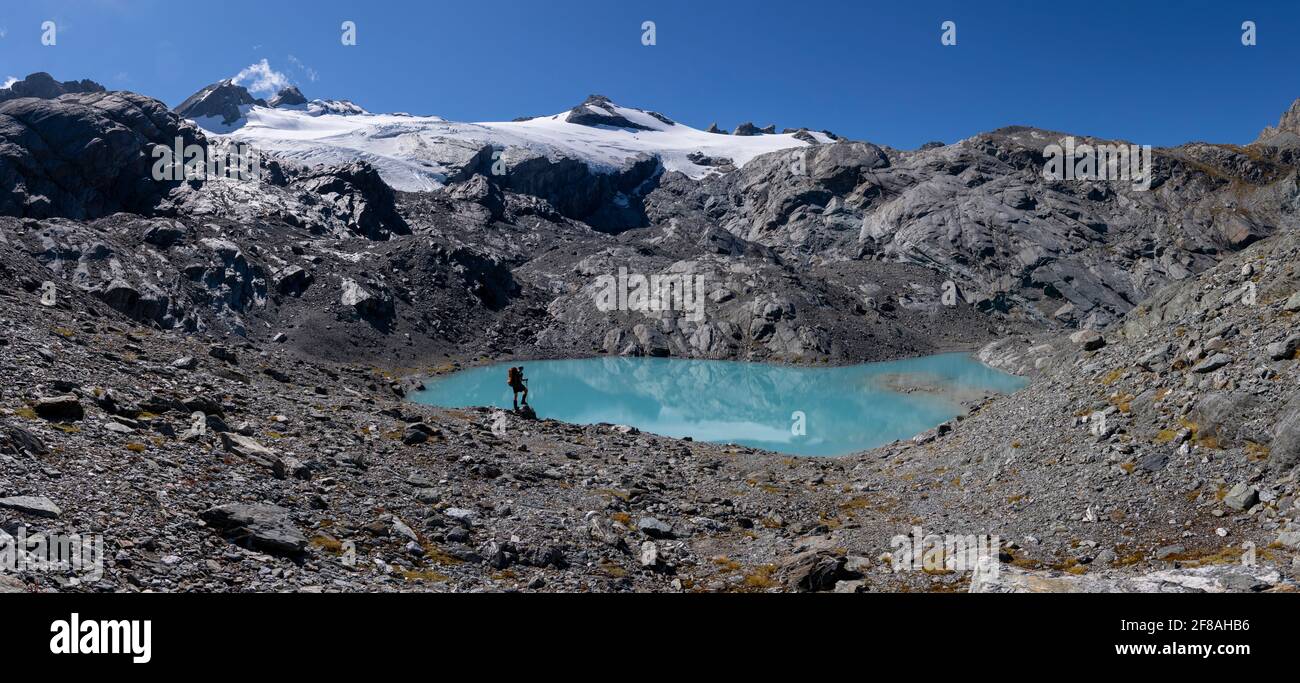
(417, 153)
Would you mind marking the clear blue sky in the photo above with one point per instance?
(1151, 72)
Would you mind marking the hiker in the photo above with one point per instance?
(518, 384)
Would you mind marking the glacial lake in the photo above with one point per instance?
(843, 409)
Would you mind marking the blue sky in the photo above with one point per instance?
(1153, 72)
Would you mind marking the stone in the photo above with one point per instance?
(601, 531)
(37, 506)
(245, 447)
(1154, 461)
(1088, 340)
(1284, 450)
(498, 555)
(818, 572)
(222, 353)
(461, 516)
(22, 440)
(1218, 360)
(65, 408)
(654, 528)
(1241, 497)
(286, 467)
(402, 529)
(1168, 551)
(261, 527)
(1283, 350)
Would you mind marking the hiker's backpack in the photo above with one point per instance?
(513, 377)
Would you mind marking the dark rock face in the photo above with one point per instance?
(358, 196)
(289, 96)
(43, 86)
(222, 99)
(479, 190)
(1073, 252)
(610, 201)
(746, 128)
(85, 155)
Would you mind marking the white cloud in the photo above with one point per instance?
(311, 73)
(261, 78)
(8, 82)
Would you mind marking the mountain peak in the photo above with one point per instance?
(222, 99)
(289, 96)
(42, 85)
(1287, 129)
(598, 110)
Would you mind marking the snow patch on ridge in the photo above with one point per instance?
(417, 153)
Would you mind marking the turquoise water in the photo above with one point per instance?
(845, 409)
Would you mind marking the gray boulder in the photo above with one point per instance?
(1284, 451)
(261, 527)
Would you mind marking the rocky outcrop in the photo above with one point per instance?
(43, 86)
(86, 155)
(1062, 253)
(1287, 131)
(608, 200)
(358, 196)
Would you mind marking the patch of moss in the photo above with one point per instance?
(1256, 452)
(327, 543)
(621, 495)
(439, 556)
(612, 569)
(760, 578)
(726, 563)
